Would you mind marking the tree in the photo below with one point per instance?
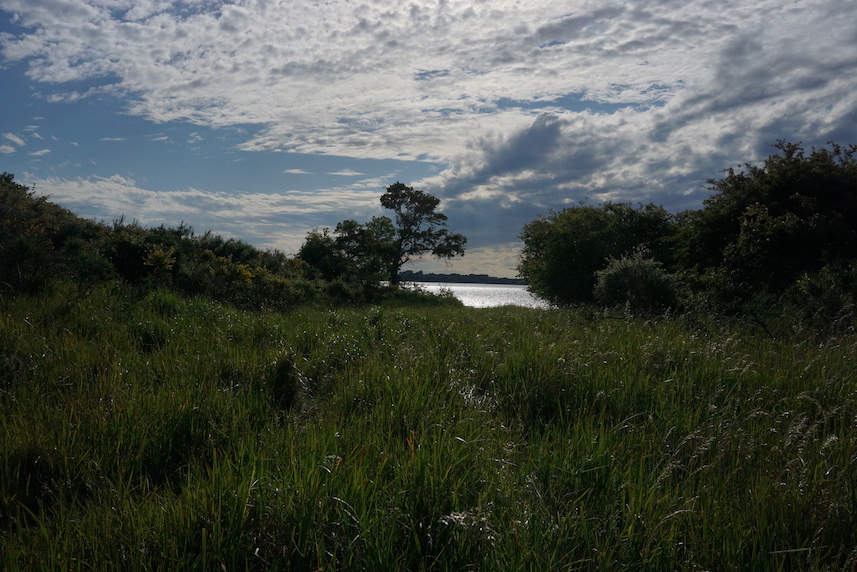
(320, 253)
(363, 249)
(419, 229)
(353, 252)
(368, 253)
(767, 224)
(563, 251)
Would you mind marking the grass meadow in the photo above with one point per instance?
(153, 432)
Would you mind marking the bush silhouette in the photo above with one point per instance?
(638, 282)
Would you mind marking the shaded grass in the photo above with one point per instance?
(168, 433)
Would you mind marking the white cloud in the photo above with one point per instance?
(423, 79)
(40, 153)
(7, 149)
(296, 172)
(525, 106)
(346, 173)
(264, 219)
(15, 139)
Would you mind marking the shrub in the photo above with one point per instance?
(638, 282)
(563, 251)
(41, 242)
(824, 300)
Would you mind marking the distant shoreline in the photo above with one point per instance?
(420, 276)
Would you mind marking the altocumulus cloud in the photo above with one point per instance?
(523, 107)
(250, 215)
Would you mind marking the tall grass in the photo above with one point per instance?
(164, 433)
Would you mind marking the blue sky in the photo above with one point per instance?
(265, 119)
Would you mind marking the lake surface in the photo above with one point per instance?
(486, 295)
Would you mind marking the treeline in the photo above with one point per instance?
(454, 278)
(774, 238)
(43, 245)
(779, 236)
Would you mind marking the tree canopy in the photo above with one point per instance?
(367, 253)
(563, 251)
(767, 224)
(764, 227)
(420, 228)
(352, 252)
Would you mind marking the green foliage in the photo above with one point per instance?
(41, 242)
(638, 283)
(419, 228)
(368, 253)
(793, 217)
(766, 225)
(355, 254)
(563, 251)
(128, 250)
(826, 301)
(319, 252)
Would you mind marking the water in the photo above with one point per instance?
(486, 295)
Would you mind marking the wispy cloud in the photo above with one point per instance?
(7, 149)
(40, 153)
(15, 139)
(346, 173)
(296, 172)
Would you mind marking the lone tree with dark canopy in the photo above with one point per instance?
(419, 229)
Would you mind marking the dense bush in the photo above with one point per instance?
(41, 242)
(825, 300)
(637, 282)
(563, 251)
(793, 217)
(766, 225)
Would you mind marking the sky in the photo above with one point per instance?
(265, 119)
